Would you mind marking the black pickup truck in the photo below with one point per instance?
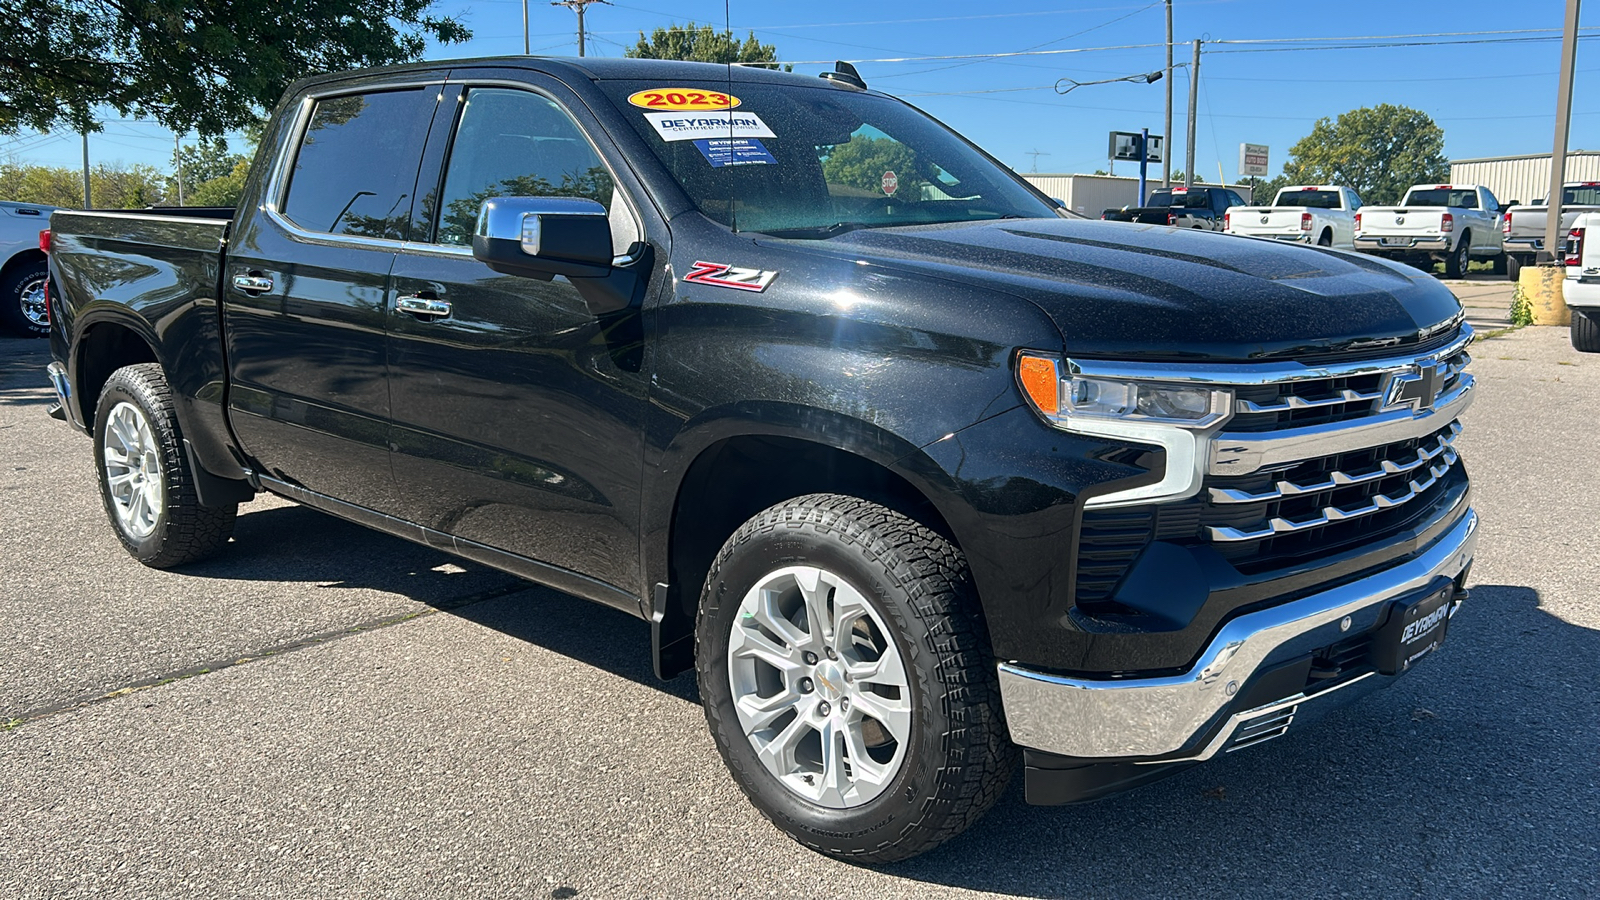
(919, 476)
(1181, 207)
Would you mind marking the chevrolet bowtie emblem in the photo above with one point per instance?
(1418, 388)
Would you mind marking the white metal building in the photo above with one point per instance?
(1088, 195)
(1522, 178)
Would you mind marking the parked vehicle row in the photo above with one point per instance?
(22, 269)
(1453, 224)
(1181, 207)
(926, 482)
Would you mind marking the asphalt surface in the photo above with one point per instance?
(323, 711)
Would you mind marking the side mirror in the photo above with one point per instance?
(543, 236)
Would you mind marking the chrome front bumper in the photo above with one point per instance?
(1158, 717)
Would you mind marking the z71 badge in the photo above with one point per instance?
(724, 275)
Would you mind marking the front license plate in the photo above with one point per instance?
(1415, 629)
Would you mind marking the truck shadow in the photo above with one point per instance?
(22, 378)
(1474, 776)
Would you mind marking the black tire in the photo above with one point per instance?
(1455, 265)
(957, 757)
(21, 301)
(1513, 267)
(1585, 332)
(1325, 239)
(182, 531)
(1499, 263)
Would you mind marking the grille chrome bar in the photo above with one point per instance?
(1292, 401)
(1337, 479)
(1279, 525)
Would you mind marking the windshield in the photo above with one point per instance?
(1186, 199)
(1309, 199)
(798, 161)
(1443, 197)
(1582, 195)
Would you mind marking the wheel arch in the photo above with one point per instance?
(728, 470)
(104, 345)
(19, 260)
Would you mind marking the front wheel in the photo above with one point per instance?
(847, 679)
(1513, 267)
(145, 479)
(22, 306)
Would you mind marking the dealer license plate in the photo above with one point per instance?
(1415, 629)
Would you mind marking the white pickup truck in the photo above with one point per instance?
(1523, 226)
(22, 269)
(1435, 222)
(1320, 214)
(1582, 288)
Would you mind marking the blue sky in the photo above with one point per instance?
(1491, 98)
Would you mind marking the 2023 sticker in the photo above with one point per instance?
(678, 98)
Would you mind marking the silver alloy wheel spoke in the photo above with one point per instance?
(133, 470)
(820, 690)
(33, 305)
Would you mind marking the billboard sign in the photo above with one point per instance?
(1252, 159)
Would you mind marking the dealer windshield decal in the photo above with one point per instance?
(680, 98)
(735, 152)
(724, 275)
(696, 126)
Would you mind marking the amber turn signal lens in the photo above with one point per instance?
(1041, 382)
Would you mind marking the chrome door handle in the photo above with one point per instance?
(426, 307)
(252, 284)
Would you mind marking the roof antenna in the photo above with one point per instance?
(845, 74)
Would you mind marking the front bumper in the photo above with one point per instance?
(1174, 718)
(1401, 243)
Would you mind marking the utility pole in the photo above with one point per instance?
(86, 203)
(525, 50)
(1166, 129)
(177, 160)
(1194, 101)
(1036, 154)
(1553, 237)
(578, 6)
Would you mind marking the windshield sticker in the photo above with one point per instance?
(694, 126)
(682, 99)
(735, 152)
(724, 275)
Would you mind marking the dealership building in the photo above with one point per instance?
(1524, 179)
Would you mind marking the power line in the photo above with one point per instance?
(1013, 53)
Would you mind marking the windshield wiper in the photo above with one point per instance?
(819, 232)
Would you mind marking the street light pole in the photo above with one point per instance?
(1558, 151)
(86, 203)
(525, 41)
(1194, 101)
(1166, 130)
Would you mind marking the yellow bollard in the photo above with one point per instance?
(1542, 285)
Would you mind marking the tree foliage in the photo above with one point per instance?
(194, 65)
(1379, 151)
(861, 163)
(111, 186)
(702, 43)
(211, 175)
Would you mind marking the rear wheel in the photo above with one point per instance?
(847, 679)
(1585, 331)
(22, 308)
(1325, 239)
(1455, 265)
(145, 478)
(1499, 263)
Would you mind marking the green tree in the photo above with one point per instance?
(113, 186)
(224, 190)
(195, 65)
(702, 43)
(1379, 151)
(204, 162)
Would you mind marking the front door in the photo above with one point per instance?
(305, 300)
(517, 412)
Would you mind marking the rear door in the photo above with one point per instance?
(518, 414)
(304, 292)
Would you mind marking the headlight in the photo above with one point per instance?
(1068, 400)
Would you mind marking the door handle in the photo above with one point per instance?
(252, 284)
(422, 307)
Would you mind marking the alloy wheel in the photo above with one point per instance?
(133, 470)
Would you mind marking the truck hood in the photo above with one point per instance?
(1152, 292)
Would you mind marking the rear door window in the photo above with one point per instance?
(356, 167)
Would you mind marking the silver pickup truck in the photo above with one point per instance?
(1523, 226)
(1445, 223)
(22, 269)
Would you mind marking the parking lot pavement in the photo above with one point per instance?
(517, 745)
(1486, 298)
